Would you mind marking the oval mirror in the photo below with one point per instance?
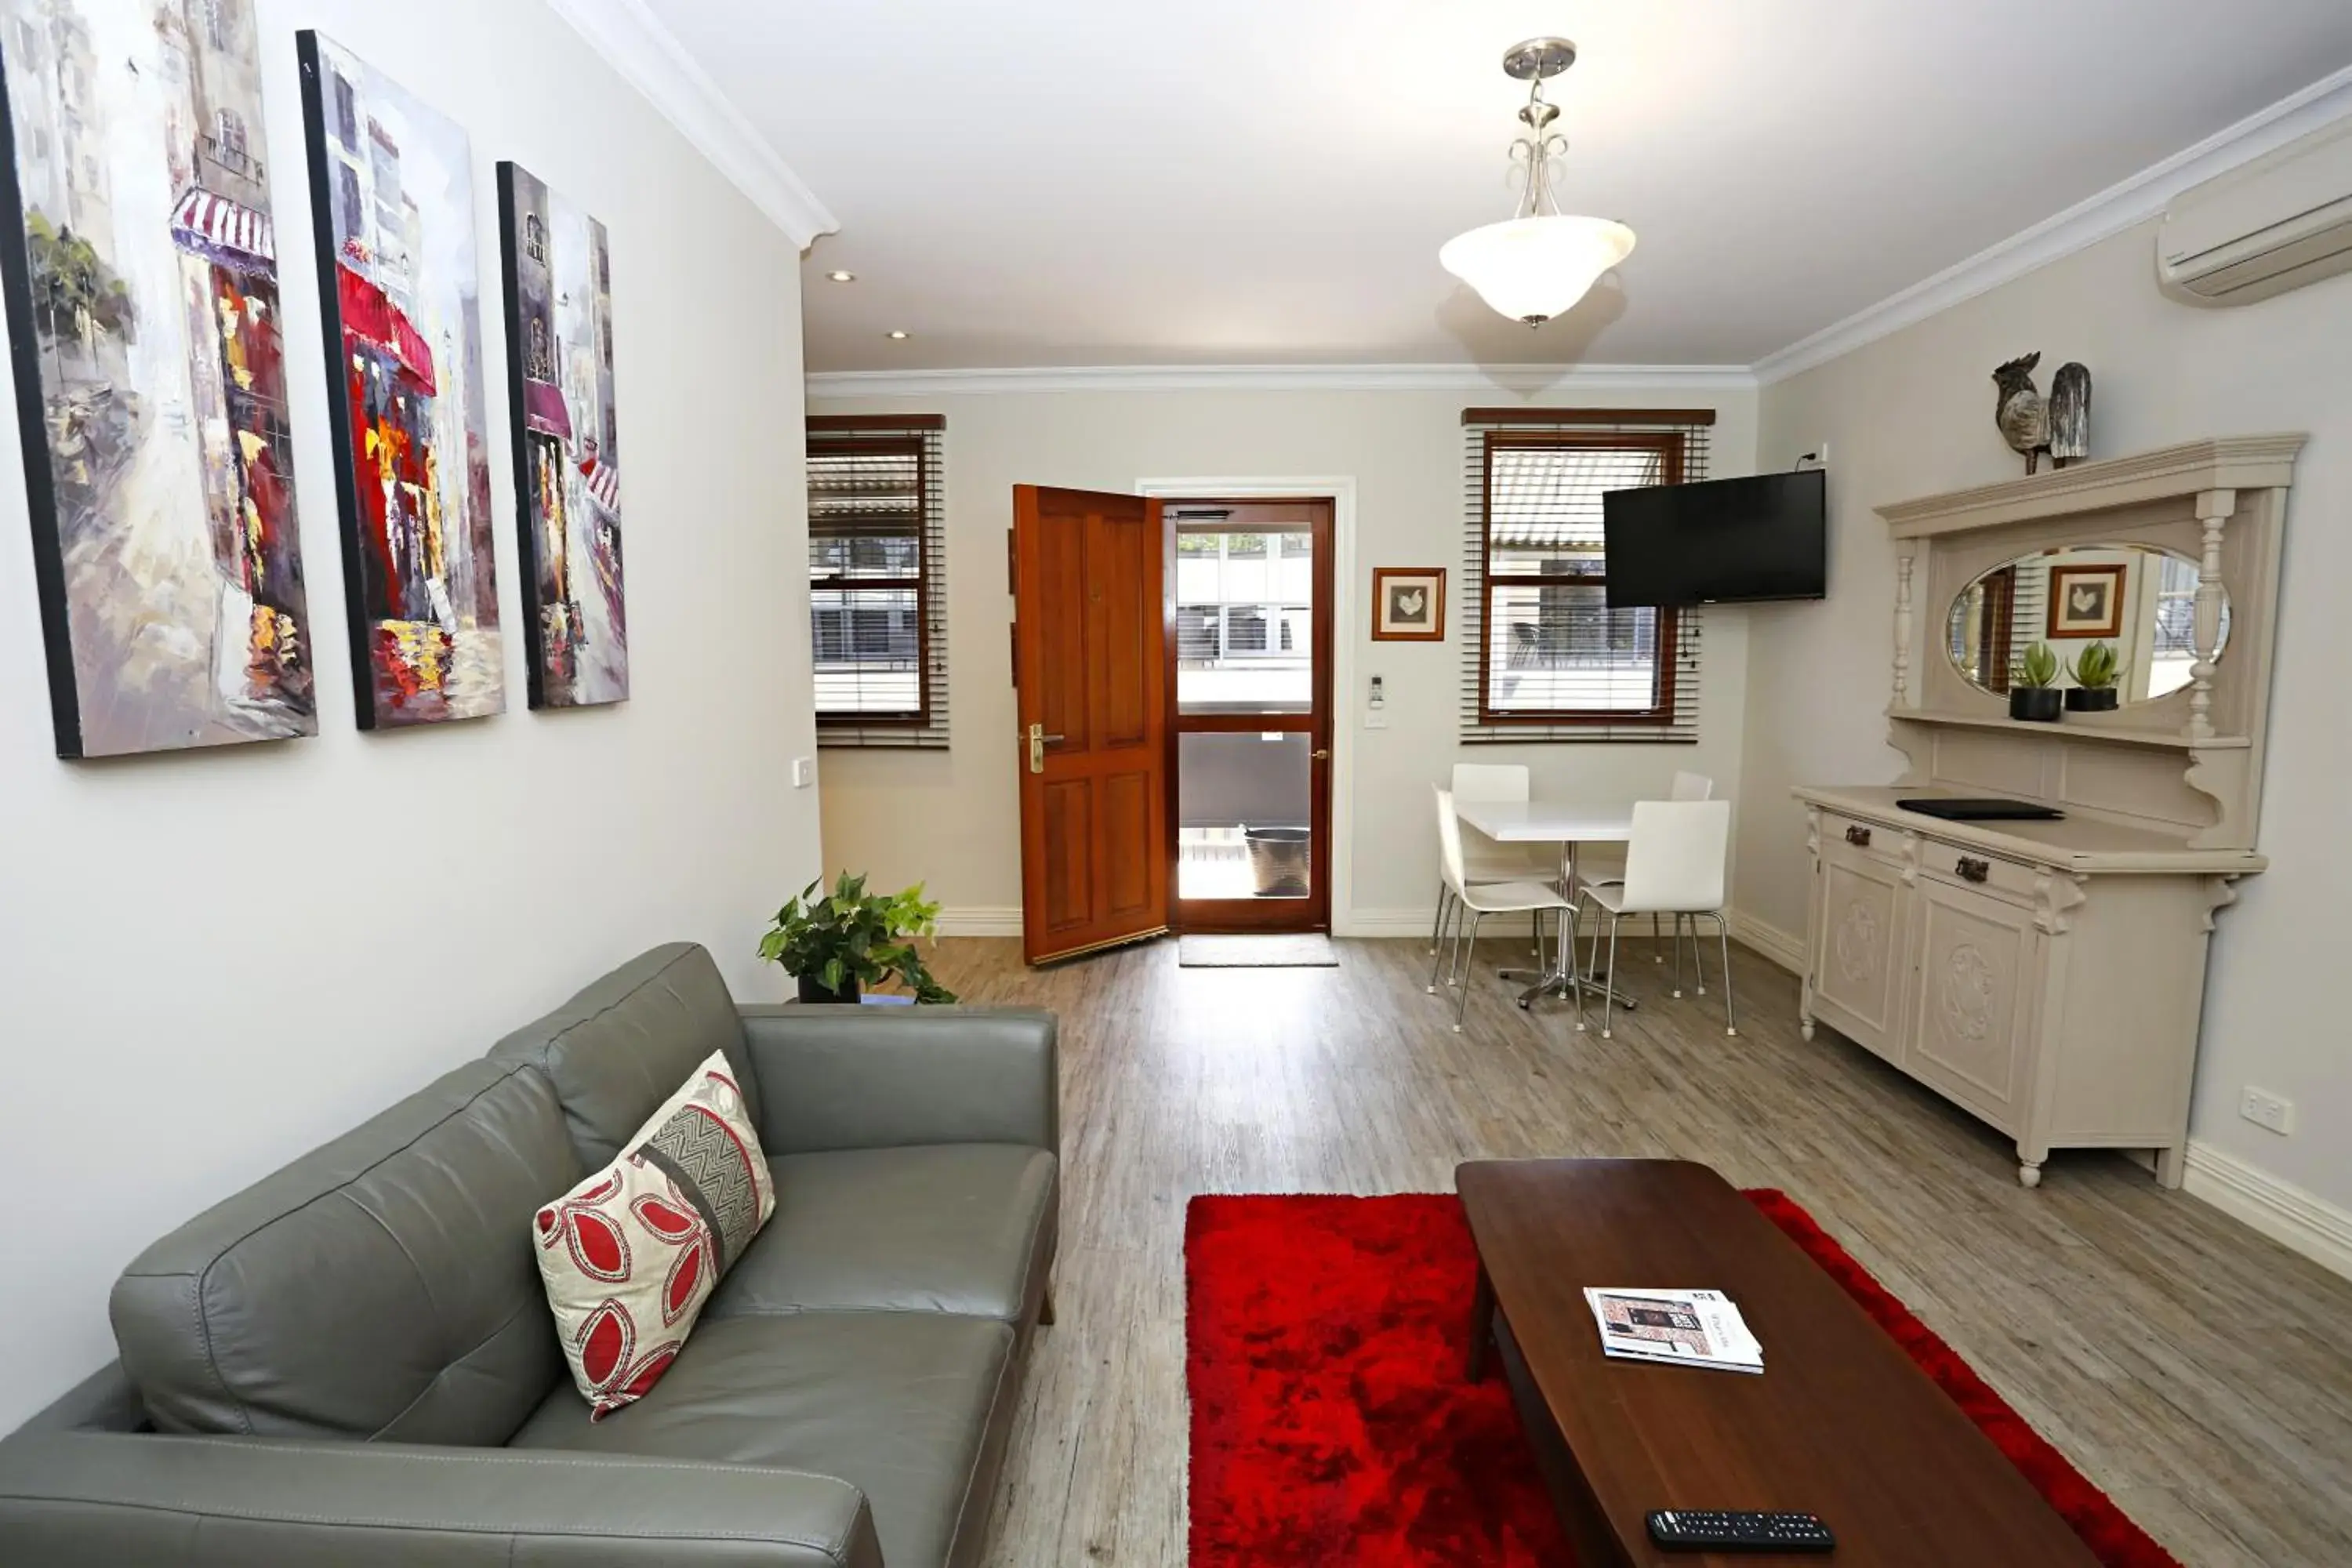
(2120, 618)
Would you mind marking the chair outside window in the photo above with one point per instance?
(1479, 899)
(1673, 866)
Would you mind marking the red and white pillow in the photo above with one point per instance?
(630, 1254)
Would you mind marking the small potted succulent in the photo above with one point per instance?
(2096, 674)
(2033, 686)
(848, 940)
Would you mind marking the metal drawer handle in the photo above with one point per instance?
(1972, 870)
(1858, 836)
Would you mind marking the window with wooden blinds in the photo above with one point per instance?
(878, 580)
(1544, 657)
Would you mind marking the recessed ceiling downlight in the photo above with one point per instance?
(898, 335)
(839, 277)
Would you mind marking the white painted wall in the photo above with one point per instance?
(210, 962)
(950, 819)
(1911, 415)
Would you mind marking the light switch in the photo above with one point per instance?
(803, 772)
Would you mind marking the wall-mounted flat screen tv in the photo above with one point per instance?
(1720, 542)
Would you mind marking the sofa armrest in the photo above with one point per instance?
(105, 1500)
(876, 1078)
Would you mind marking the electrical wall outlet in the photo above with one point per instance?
(2264, 1108)
(1376, 719)
(803, 772)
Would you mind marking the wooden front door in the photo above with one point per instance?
(1089, 668)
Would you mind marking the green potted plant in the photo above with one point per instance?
(2096, 674)
(2033, 686)
(848, 940)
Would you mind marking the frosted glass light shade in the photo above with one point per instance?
(1532, 269)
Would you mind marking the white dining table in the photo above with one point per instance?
(1566, 823)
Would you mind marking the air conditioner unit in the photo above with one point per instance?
(2277, 224)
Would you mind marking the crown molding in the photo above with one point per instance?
(1522, 378)
(650, 58)
(2130, 200)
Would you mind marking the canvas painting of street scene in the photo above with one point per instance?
(567, 443)
(391, 194)
(140, 271)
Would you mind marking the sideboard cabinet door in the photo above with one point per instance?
(1979, 962)
(1858, 949)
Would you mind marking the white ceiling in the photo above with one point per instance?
(1031, 183)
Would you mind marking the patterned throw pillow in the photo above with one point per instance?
(630, 1254)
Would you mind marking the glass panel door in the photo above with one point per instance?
(1249, 639)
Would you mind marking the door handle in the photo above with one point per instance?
(1320, 756)
(1037, 739)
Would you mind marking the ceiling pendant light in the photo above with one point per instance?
(1540, 261)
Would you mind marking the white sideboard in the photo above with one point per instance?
(2049, 977)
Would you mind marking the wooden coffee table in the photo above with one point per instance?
(1841, 1423)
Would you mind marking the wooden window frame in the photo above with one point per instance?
(1669, 445)
(870, 438)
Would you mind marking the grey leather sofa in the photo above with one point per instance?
(353, 1362)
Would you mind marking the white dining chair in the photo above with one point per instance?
(1483, 858)
(1673, 866)
(1608, 865)
(1479, 899)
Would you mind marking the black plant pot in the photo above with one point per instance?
(2039, 704)
(813, 990)
(2089, 699)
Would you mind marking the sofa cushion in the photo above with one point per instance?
(895, 1404)
(633, 1252)
(624, 1044)
(947, 1227)
(381, 1286)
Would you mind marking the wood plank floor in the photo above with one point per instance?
(2197, 1371)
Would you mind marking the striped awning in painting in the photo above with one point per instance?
(228, 232)
(603, 484)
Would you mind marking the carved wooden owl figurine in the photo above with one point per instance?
(2018, 411)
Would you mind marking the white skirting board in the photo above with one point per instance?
(980, 920)
(2300, 1221)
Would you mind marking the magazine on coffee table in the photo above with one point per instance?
(1684, 1328)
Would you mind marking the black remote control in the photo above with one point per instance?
(1737, 1530)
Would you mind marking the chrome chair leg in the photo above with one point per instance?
(1656, 956)
(1437, 938)
(1678, 956)
(1462, 1002)
(1574, 981)
(1723, 941)
(1609, 991)
(1699, 959)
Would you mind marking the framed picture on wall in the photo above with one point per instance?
(1408, 604)
(2086, 601)
(139, 254)
(567, 444)
(391, 205)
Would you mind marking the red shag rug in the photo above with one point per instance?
(1331, 1423)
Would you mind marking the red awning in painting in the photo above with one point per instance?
(222, 231)
(367, 315)
(543, 410)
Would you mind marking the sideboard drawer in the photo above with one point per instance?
(1974, 868)
(1853, 838)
